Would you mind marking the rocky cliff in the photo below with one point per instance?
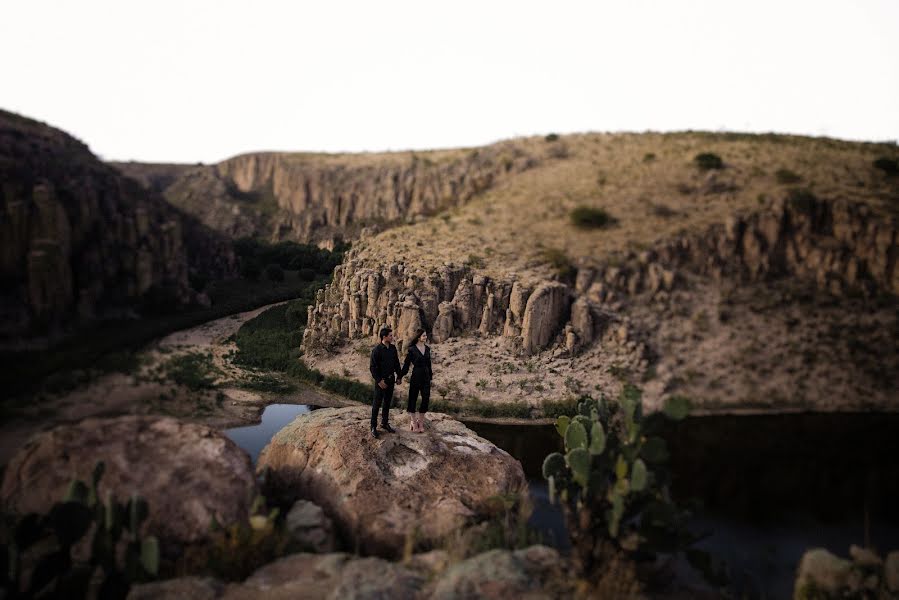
(321, 198)
(79, 241)
(840, 247)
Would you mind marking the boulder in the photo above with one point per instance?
(337, 576)
(310, 530)
(188, 473)
(408, 321)
(823, 571)
(382, 491)
(545, 313)
(443, 324)
(532, 573)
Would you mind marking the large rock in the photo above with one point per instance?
(546, 311)
(823, 571)
(188, 473)
(337, 576)
(535, 572)
(310, 530)
(381, 491)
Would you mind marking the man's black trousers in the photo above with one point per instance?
(382, 398)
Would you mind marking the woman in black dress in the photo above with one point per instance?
(418, 356)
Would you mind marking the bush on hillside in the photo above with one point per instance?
(786, 176)
(587, 217)
(707, 161)
(888, 165)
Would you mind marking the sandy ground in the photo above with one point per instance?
(118, 394)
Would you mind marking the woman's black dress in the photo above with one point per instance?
(420, 382)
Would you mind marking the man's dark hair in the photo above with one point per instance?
(385, 331)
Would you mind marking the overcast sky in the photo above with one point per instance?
(189, 81)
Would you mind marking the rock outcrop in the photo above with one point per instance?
(865, 574)
(78, 240)
(310, 198)
(379, 492)
(841, 247)
(451, 302)
(188, 473)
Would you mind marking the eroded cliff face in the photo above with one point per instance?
(311, 198)
(78, 240)
(618, 306)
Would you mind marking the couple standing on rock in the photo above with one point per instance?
(385, 362)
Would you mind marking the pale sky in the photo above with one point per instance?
(202, 80)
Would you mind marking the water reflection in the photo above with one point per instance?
(275, 417)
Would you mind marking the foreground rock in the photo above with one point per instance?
(310, 529)
(381, 491)
(188, 473)
(535, 572)
(865, 574)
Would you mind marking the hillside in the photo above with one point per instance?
(767, 282)
(78, 241)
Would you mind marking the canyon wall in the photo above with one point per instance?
(80, 241)
(306, 198)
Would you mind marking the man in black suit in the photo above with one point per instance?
(384, 364)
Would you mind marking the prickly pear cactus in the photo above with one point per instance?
(602, 480)
(576, 436)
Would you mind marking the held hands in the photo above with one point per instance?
(382, 385)
(399, 381)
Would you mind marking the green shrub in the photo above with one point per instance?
(801, 199)
(296, 314)
(649, 157)
(786, 176)
(564, 268)
(707, 161)
(193, 370)
(587, 217)
(552, 137)
(274, 273)
(475, 262)
(265, 341)
(888, 165)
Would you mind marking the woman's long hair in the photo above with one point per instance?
(414, 340)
